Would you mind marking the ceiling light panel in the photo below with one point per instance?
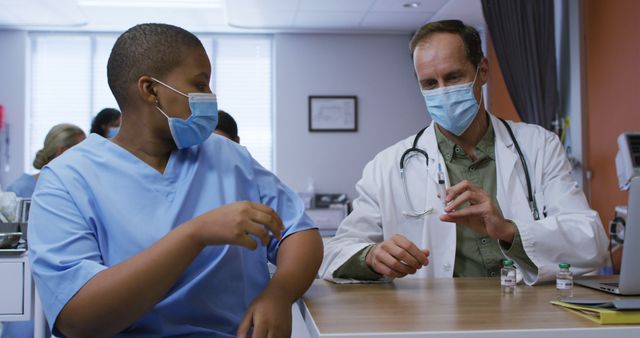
(396, 21)
(427, 6)
(17, 13)
(153, 3)
(330, 20)
(336, 5)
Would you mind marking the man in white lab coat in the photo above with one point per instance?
(400, 226)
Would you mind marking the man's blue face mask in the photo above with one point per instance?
(199, 126)
(453, 107)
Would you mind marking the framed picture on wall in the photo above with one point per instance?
(333, 113)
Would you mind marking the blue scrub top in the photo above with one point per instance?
(98, 205)
(23, 186)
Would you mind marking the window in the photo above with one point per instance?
(60, 87)
(101, 96)
(69, 85)
(243, 85)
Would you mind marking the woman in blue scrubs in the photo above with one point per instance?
(166, 229)
(106, 123)
(60, 138)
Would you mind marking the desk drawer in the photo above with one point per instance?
(11, 288)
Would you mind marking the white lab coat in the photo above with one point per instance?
(571, 232)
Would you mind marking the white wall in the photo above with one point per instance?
(13, 85)
(375, 68)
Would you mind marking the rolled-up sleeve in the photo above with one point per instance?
(286, 203)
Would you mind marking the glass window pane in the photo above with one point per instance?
(243, 80)
(60, 91)
(102, 97)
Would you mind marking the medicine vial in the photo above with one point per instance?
(564, 281)
(508, 277)
(442, 189)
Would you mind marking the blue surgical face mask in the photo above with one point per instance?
(112, 132)
(453, 107)
(199, 126)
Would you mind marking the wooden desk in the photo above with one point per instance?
(460, 307)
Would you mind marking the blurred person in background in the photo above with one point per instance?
(60, 138)
(107, 123)
(227, 126)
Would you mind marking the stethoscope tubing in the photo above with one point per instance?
(414, 151)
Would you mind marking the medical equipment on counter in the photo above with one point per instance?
(628, 158)
(627, 167)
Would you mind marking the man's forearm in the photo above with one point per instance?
(299, 259)
(515, 250)
(356, 267)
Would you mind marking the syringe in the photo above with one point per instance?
(442, 189)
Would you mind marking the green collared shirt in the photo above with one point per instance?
(476, 255)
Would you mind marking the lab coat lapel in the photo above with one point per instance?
(512, 190)
(438, 236)
(429, 143)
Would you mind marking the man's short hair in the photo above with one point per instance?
(227, 124)
(151, 49)
(469, 35)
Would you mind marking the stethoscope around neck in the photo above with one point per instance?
(415, 151)
(409, 153)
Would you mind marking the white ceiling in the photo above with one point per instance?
(237, 16)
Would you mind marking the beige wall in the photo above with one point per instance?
(375, 68)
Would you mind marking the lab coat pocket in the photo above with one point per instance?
(412, 228)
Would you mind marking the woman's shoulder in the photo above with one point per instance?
(220, 147)
(23, 186)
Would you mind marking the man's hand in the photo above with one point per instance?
(235, 223)
(269, 315)
(396, 257)
(480, 215)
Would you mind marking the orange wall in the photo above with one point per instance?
(612, 96)
(500, 103)
(612, 92)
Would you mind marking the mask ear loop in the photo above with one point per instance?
(160, 110)
(475, 77)
(481, 91)
(166, 85)
(158, 101)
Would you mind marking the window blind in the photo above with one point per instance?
(243, 86)
(60, 87)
